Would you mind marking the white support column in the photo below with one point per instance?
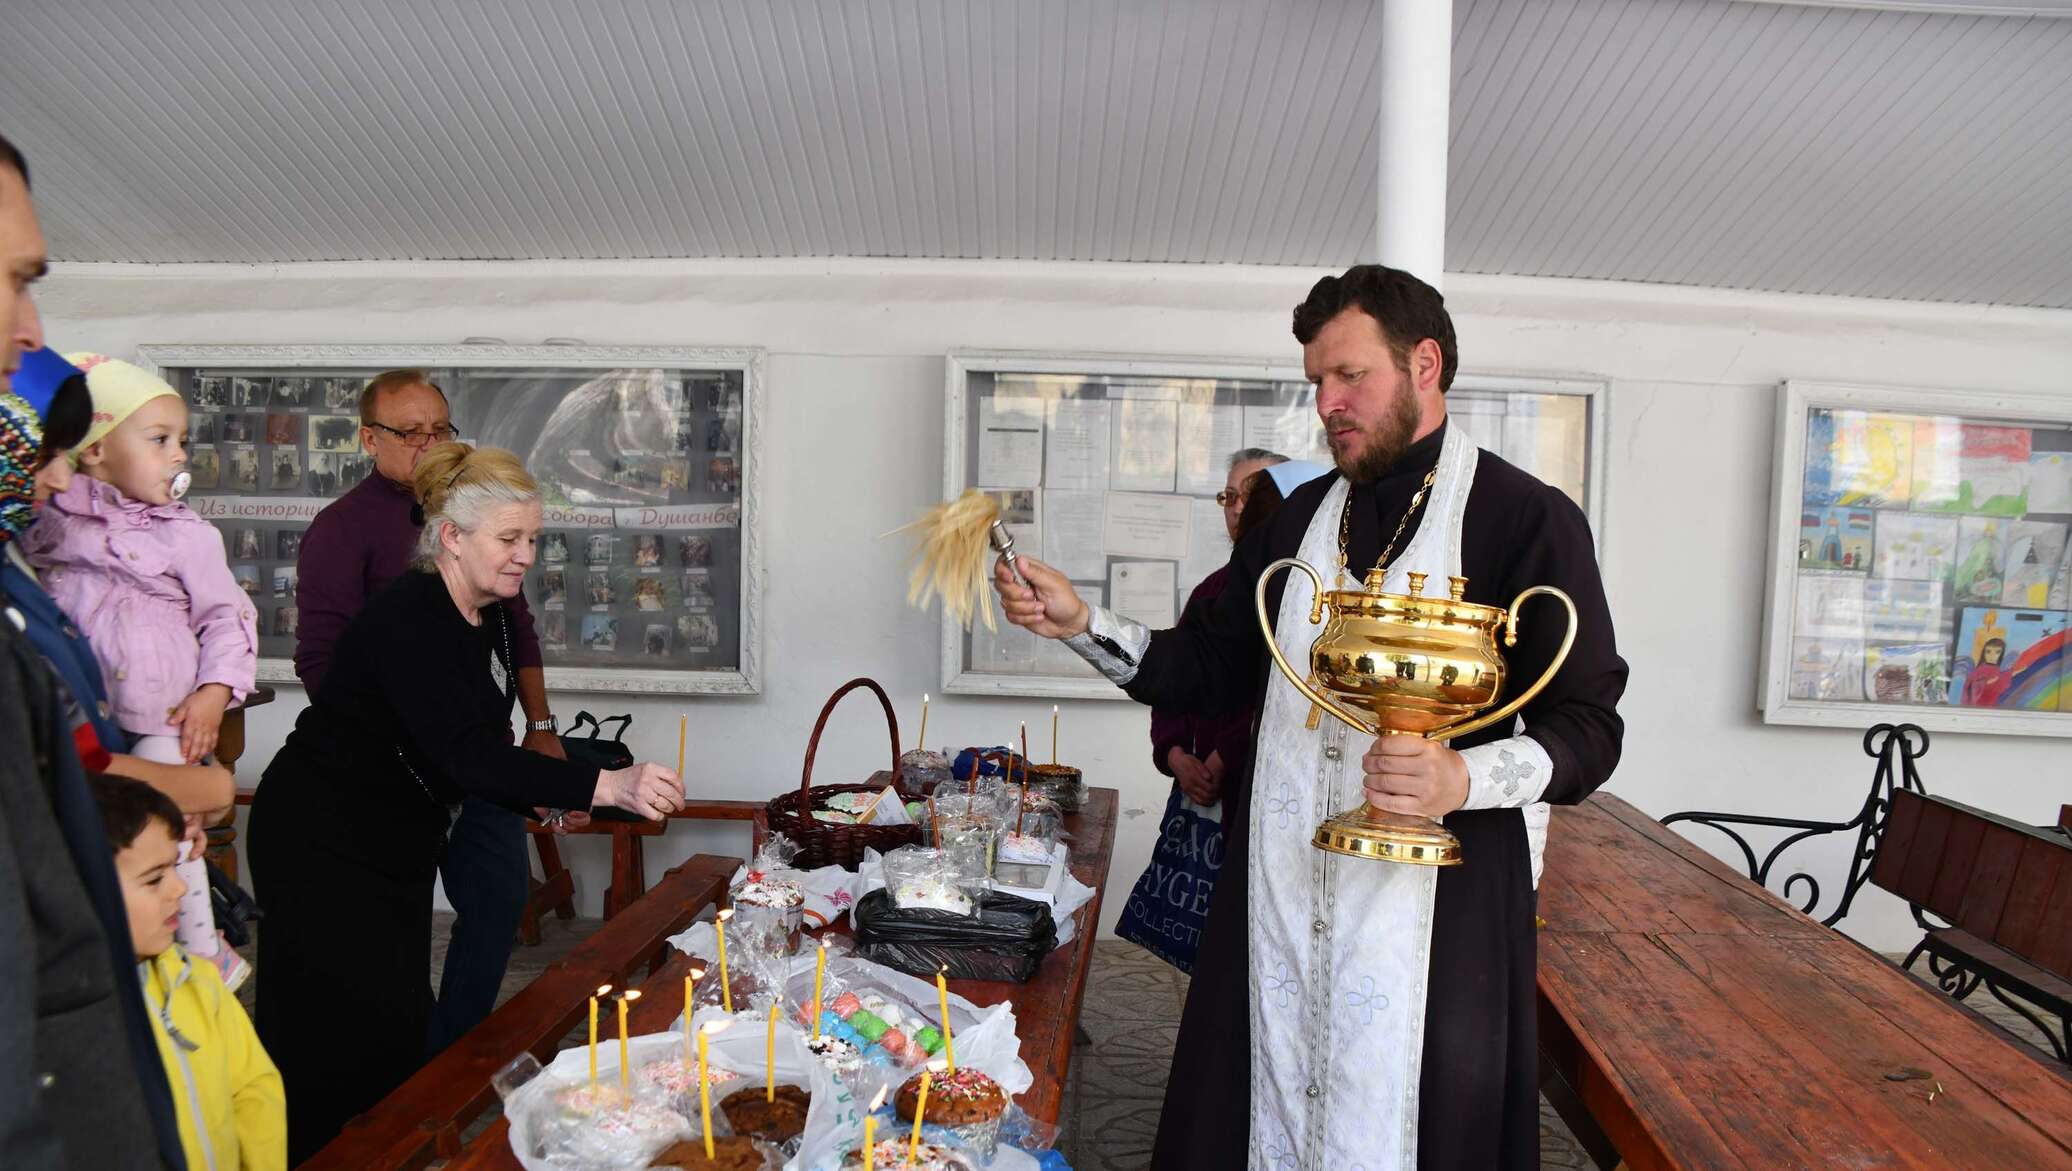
(1416, 90)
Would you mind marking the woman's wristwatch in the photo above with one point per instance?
(550, 724)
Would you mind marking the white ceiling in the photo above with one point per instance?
(1814, 149)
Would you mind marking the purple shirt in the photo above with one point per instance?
(1229, 733)
(359, 543)
(149, 587)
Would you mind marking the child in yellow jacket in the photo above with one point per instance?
(233, 1113)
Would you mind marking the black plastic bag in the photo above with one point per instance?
(599, 753)
(1006, 940)
(236, 910)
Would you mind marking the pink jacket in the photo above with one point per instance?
(149, 586)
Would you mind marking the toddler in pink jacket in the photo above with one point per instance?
(146, 580)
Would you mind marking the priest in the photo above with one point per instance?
(1349, 1013)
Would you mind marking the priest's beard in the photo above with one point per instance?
(1378, 446)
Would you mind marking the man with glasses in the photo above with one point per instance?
(359, 543)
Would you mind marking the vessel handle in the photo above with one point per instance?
(1316, 616)
(1449, 731)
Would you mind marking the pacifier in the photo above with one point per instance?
(180, 483)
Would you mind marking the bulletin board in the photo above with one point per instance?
(1920, 567)
(649, 576)
(1107, 469)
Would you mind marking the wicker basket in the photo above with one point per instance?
(822, 843)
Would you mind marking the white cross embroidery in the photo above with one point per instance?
(1365, 1000)
(1510, 770)
(1282, 806)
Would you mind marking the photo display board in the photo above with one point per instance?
(1107, 469)
(1921, 567)
(648, 576)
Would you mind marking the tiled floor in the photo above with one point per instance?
(1117, 1086)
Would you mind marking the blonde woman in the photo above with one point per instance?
(347, 827)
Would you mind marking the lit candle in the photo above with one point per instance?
(602, 990)
(924, 722)
(625, 1069)
(1025, 751)
(770, 1058)
(920, 1111)
(870, 1131)
(819, 972)
(690, 996)
(1053, 733)
(942, 995)
(682, 722)
(726, 991)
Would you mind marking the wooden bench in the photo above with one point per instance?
(555, 891)
(424, 1117)
(2005, 891)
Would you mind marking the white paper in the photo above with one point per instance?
(1293, 430)
(1143, 590)
(1209, 436)
(1829, 607)
(1076, 453)
(1145, 431)
(1208, 548)
(1922, 548)
(1145, 525)
(2050, 481)
(1010, 442)
(1072, 536)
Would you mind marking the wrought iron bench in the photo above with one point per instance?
(2003, 888)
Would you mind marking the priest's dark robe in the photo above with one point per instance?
(1478, 1096)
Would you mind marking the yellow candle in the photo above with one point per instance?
(920, 1111)
(691, 985)
(770, 1058)
(682, 722)
(870, 1131)
(1053, 733)
(819, 971)
(924, 722)
(601, 991)
(704, 1093)
(726, 991)
(942, 996)
(625, 1069)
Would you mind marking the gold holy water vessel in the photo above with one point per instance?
(1418, 666)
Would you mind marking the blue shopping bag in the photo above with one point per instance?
(1169, 906)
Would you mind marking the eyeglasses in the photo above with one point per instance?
(418, 438)
(1227, 497)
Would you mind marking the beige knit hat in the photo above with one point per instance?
(118, 388)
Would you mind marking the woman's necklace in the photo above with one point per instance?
(1345, 527)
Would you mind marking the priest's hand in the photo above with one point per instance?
(1048, 606)
(1410, 774)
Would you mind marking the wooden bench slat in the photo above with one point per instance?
(1901, 821)
(1960, 941)
(1924, 854)
(1954, 874)
(2021, 924)
(2054, 950)
(1986, 896)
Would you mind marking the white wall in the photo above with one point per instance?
(854, 435)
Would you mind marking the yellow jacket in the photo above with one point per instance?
(233, 1113)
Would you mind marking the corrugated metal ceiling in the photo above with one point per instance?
(1757, 146)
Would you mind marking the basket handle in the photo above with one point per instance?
(813, 745)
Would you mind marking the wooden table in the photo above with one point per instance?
(1046, 1009)
(1689, 1018)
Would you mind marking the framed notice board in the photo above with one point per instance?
(650, 570)
(1107, 468)
(1920, 569)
